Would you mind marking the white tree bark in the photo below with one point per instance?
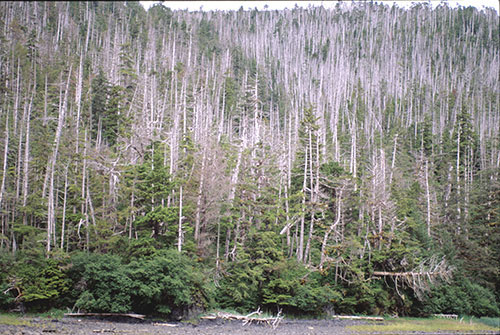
(51, 223)
(5, 154)
(180, 232)
(332, 227)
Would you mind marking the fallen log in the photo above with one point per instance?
(421, 278)
(355, 317)
(209, 317)
(446, 316)
(165, 324)
(130, 315)
(103, 331)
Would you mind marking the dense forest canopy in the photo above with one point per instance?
(312, 160)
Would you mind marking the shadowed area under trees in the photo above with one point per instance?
(308, 161)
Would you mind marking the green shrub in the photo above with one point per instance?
(157, 285)
(104, 285)
(45, 284)
(41, 283)
(7, 298)
(263, 277)
(461, 297)
(239, 287)
(165, 282)
(293, 288)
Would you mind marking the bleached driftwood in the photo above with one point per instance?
(355, 317)
(130, 315)
(209, 317)
(164, 324)
(103, 331)
(248, 319)
(446, 316)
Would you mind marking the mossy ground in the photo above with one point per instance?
(13, 320)
(493, 322)
(424, 325)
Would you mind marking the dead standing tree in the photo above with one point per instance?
(421, 278)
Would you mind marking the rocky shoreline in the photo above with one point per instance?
(84, 326)
(91, 325)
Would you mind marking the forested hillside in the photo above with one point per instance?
(313, 160)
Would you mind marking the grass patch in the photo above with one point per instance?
(492, 322)
(52, 314)
(422, 325)
(13, 320)
(25, 320)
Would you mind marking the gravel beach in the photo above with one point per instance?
(82, 326)
(87, 326)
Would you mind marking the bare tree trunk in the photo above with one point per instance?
(428, 198)
(5, 154)
(51, 201)
(19, 157)
(307, 251)
(16, 101)
(44, 123)
(287, 212)
(312, 199)
(132, 218)
(330, 230)
(199, 197)
(78, 99)
(217, 255)
(26, 158)
(300, 249)
(63, 224)
(393, 158)
(88, 200)
(179, 243)
(354, 164)
(84, 188)
(236, 236)
(459, 211)
(45, 103)
(232, 193)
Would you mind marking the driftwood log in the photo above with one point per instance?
(253, 317)
(355, 317)
(446, 316)
(135, 316)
